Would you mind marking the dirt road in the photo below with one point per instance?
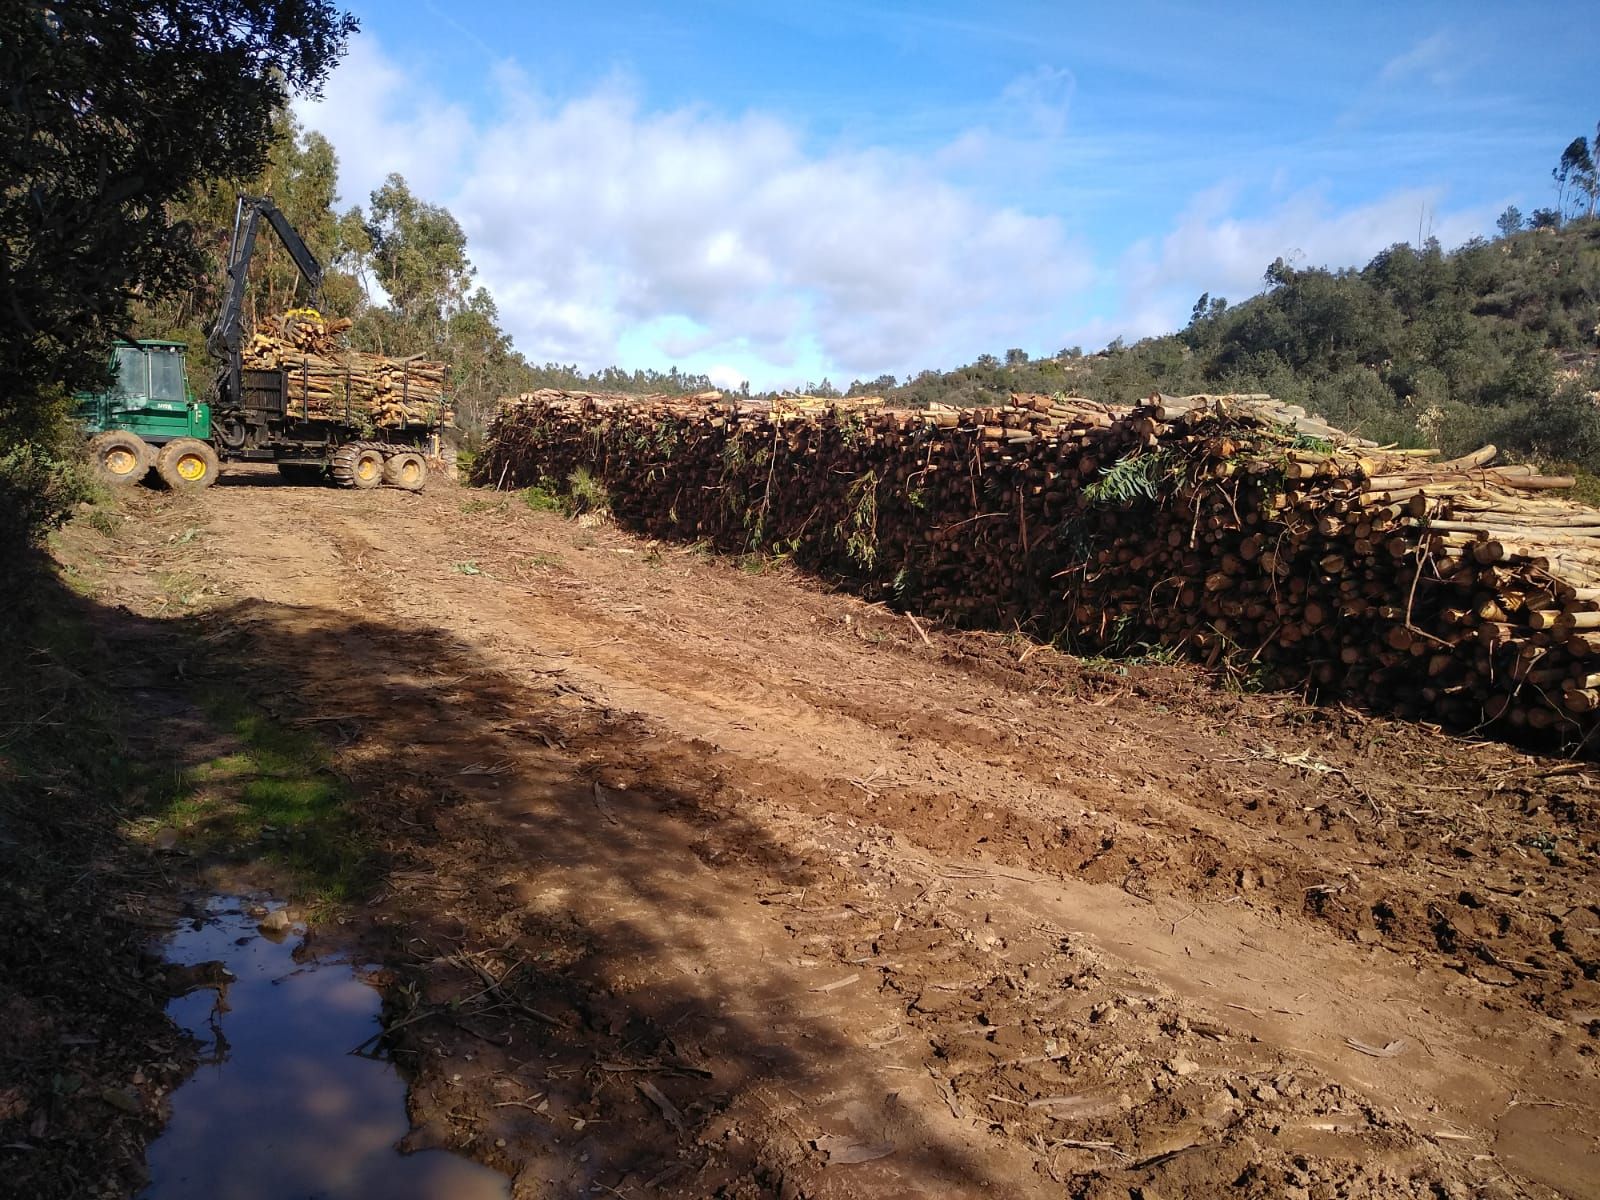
(747, 889)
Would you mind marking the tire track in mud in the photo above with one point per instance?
(1049, 1032)
(1127, 797)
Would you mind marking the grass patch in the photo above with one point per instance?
(1586, 489)
(80, 583)
(1154, 654)
(183, 589)
(273, 796)
(1250, 679)
(541, 498)
(582, 493)
(1144, 654)
(60, 727)
(759, 562)
(586, 494)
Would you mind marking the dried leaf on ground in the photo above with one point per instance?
(1390, 1050)
(844, 1150)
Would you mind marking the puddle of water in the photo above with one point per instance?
(279, 1108)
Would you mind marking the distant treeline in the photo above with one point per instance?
(1498, 341)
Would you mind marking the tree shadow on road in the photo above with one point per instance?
(587, 988)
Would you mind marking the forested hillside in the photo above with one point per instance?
(398, 266)
(1498, 341)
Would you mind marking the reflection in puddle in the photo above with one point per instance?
(279, 1108)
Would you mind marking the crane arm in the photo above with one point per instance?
(227, 332)
(310, 268)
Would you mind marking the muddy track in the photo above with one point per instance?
(738, 882)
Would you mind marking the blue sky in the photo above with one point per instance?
(778, 192)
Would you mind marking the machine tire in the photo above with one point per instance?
(302, 474)
(358, 465)
(187, 465)
(119, 457)
(407, 470)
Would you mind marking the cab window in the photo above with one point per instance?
(166, 377)
(131, 370)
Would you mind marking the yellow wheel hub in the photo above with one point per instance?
(191, 467)
(120, 461)
(366, 468)
(409, 472)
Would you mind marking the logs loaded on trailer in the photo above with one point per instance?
(1242, 531)
(328, 382)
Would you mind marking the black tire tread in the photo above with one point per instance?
(111, 437)
(165, 465)
(343, 464)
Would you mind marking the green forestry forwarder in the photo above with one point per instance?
(150, 418)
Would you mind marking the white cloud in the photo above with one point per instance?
(610, 232)
(1212, 249)
(357, 114)
(1434, 59)
(726, 377)
(1421, 80)
(1044, 97)
(594, 216)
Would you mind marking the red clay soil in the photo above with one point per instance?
(704, 882)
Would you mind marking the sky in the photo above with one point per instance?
(783, 192)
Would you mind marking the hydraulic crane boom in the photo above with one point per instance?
(229, 329)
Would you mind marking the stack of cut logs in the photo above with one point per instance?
(811, 407)
(329, 382)
(563, 396)
(1250, 535)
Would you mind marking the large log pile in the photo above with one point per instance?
(327, 381)
(1235, 528)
